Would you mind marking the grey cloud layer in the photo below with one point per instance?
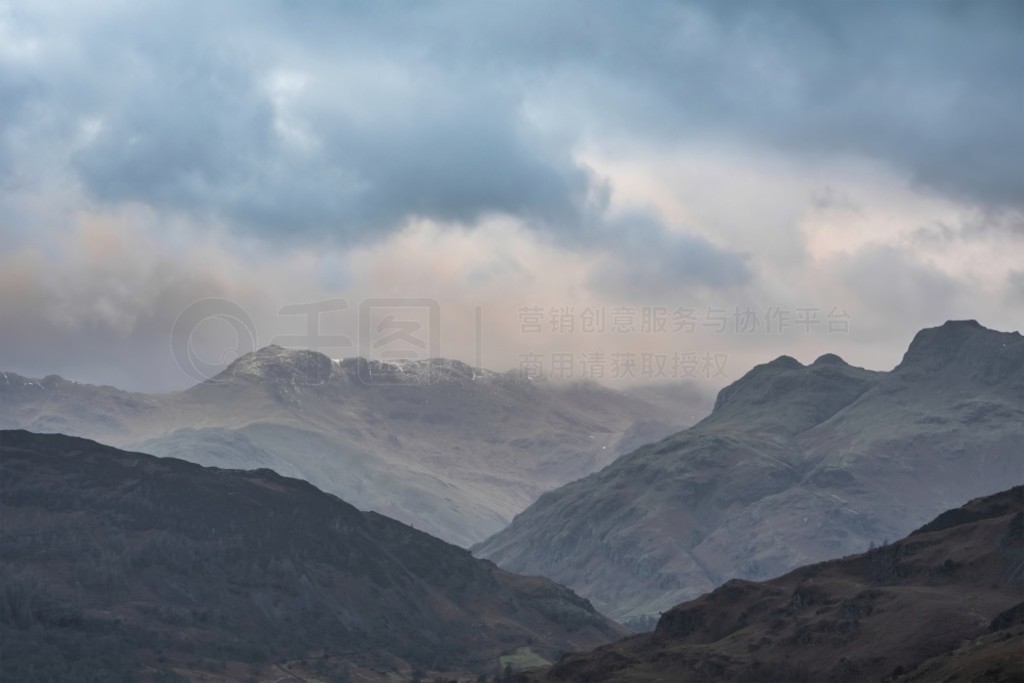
(307, 122)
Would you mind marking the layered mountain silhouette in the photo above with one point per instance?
(115, 563)
(943, 604)
(795, 464)
(453, 450)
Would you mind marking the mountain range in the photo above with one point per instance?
(796, 464)
(453, 450)
(943, 604)
(118, 566)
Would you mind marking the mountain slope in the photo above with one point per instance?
(455, 451)
(157, 562)
(943, 604)
(795, 464)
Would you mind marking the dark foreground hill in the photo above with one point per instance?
(115, 563)
(943, 604)
(796, 464)
(453, 450)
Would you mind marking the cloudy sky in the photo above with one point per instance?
(659, 188)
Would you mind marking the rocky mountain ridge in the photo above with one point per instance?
(795, 464)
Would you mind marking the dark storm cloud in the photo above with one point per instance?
(454, 110)
(445, 152)
(933, 87)
(647, 260)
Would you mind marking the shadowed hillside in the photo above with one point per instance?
(115, 562)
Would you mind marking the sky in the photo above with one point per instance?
(619, 191)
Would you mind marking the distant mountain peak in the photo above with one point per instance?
(414, 371)
(785, 362)
(286, 371)
(829, 359)
(790, 395)
(277, 364)
(963, 347)
(945, 338)
(962, 324)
